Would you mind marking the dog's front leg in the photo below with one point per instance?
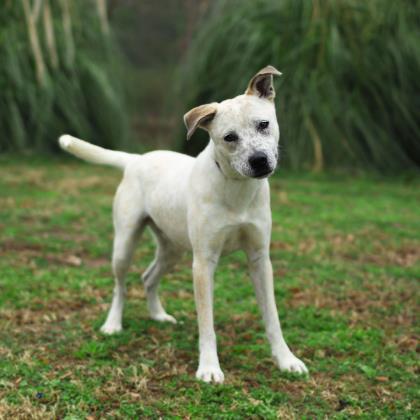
(209, 367)
(262, 277)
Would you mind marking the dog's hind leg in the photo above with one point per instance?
(165, 258)
(129, 222)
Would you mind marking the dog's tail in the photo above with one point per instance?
(92, 153)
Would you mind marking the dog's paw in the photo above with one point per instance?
(210, 374)
(111, 329)
(164, 318)
(292, 364)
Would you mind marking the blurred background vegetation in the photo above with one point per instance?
(121, 73)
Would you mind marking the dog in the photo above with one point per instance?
(214, 204)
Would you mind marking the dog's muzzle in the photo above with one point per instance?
(260, 165)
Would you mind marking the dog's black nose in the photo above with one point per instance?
(259, 163)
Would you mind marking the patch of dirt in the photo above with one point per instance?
(25, 253)
(50, 312)
(15, 246)
(408, 343)
(30, 176)
(74, 186)
(364, 305)
(382, 254)
(71, 234)
(275, 245)
(405, 256)
(348, 247)
(26, 409)
(7, 202)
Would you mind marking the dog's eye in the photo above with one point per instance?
(231, 137)
(262, 125)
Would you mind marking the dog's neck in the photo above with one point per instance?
(223, 164)
(236, 191)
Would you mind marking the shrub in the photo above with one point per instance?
(60, 73)
(349, 94)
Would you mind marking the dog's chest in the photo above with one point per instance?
(235, 229)
(233, 240)
(234, 213)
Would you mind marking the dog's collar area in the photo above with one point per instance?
(217, 164)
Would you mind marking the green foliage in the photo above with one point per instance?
(349, 91)
(73, 85)
(346, 259)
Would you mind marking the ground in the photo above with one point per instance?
(345, 252)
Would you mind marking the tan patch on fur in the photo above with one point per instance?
(198, 116)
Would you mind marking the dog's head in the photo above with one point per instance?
(244, 129)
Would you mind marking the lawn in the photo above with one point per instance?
(345, 252)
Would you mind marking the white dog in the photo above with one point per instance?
(214, 204)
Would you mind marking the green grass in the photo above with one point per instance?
(345, 252)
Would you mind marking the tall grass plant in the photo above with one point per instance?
(60, 72)
(349, 94)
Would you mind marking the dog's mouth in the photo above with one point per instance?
(263, 174)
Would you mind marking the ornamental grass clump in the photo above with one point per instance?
(60, 73)
(349, 94)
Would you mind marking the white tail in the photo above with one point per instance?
(92, 153)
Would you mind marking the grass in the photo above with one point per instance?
(72, 83)
(345, 252)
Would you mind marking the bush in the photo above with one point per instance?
(60, 73)
(349, 91)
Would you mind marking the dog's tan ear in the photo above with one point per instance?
(199, 117)
(261, 84)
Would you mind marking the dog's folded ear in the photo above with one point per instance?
(261, 84)
(199, 117)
